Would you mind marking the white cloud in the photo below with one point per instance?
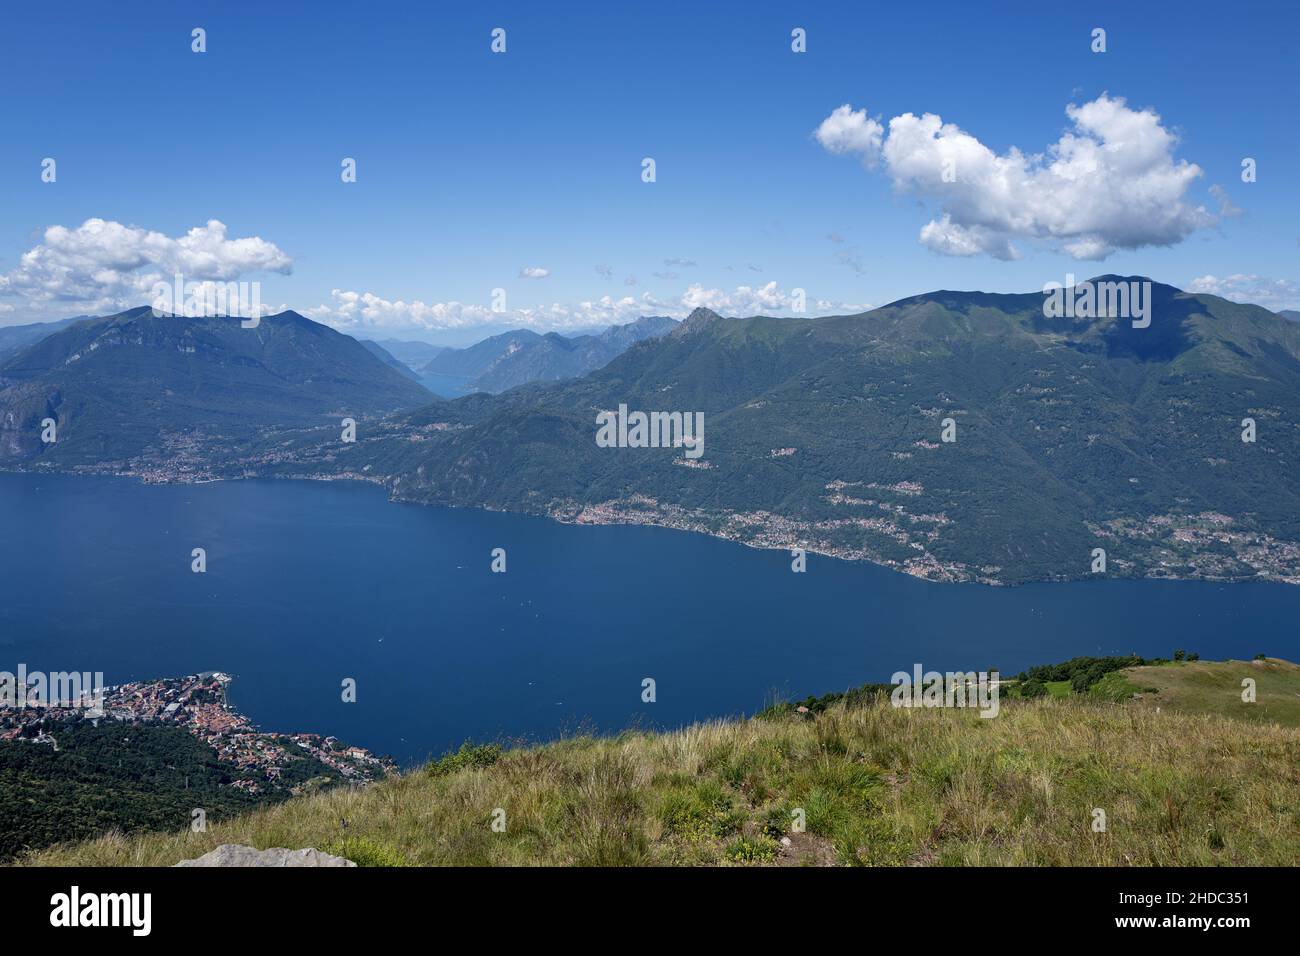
(1275, 294)
(1227, 209)
(357, 312)
(768, 299)
(951, 239)
(851, 131)
(533, 272)
(103, 265)
(1110, 182)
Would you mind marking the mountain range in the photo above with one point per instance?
(518, 357)
(1071, 436)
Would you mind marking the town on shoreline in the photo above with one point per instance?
(198, 705)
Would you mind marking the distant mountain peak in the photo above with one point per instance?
(698, 319)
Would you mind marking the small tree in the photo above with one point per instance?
(1032, 688)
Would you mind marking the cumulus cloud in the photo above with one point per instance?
(357, 312)
(848, 130)
(1109, 182)
(679, 262)
(102, 265)
(767, 299)
(1275, 294)
(533, 272)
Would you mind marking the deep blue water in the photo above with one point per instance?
(309, 583)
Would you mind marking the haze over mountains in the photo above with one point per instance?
(409, 353)
(515, 358)
(15, 338)
(381, 353)
(1072, 434)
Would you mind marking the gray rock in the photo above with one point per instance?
(232, 854)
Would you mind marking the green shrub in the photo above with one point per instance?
(365, 852)
(468, 756)
(1032, 688)
(756, 849)
(701, 812)
(776, 822)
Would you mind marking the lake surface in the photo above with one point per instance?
(309, 583)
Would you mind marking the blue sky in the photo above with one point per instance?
(473, 167)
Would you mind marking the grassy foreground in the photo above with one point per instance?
(877, 785)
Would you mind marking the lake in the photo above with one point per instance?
(309, 583)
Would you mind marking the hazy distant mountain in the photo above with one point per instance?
(1071, 435)
(377, 350)
(409, 353)
(1290, 314)
(515, 358)
(119, 385)
(15, 338)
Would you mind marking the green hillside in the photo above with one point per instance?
(826, 434)
(1204, 687)
(876, 785)
(144, 383)
(122, 777)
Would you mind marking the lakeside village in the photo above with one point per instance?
(198, 705)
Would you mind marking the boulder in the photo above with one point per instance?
(232, 854)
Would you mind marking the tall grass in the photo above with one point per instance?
(875, 786)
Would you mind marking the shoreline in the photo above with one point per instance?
(676, 518)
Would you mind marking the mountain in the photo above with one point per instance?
(120, 385)
(410, 354)
(1072, 434)
(381, 353)
(15, 338)
(1290, 314)
(515, 358)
